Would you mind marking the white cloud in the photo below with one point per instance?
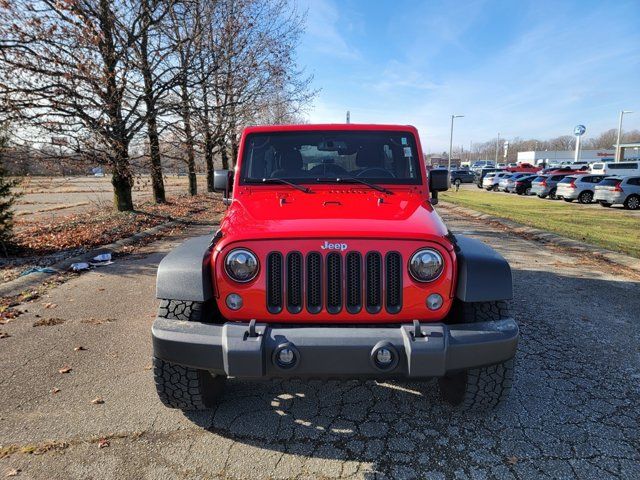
(324, 31)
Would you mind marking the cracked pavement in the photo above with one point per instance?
(573, 412)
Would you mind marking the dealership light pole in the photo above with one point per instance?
(451, 138)
(618, 149)
(497, 148)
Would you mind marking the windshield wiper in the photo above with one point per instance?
(278, 180)
(343, 179)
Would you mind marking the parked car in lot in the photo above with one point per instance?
(578, 187)
(546, 185)
(480, 164)
(523, 167)
(522, 186)
(508, 184)
(619, 190)
(492, 180)
(619, 169)
(462, 176)
(483, 172)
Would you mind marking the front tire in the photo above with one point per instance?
(186, 388)
(585, 197)
(483, 387)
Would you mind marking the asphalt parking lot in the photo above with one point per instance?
(573, 413)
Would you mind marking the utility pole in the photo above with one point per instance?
(451, 138)
(497, 148)
(348, 116)
(618, 149)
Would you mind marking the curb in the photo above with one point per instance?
(544, 236)
(20, 284)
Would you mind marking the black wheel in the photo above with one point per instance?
(496, 188)
(527, 191)
(605, 204)
(484, 387)
(585, 197)
(552, 194)
(186, 388)
(632, 202)
(542, 196)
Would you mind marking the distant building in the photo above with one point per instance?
(564, 156)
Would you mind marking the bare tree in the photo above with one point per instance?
(71, 75)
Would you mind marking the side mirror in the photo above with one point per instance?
(439, 181)
(223, 182)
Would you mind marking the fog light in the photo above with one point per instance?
(234, 301)
(384, 357)
(434, 301)
(286, 357)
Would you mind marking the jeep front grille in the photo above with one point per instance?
(334, 282)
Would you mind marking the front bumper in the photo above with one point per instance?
(240, 350)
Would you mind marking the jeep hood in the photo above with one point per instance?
(331, 214)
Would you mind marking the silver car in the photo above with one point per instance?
(619, 190)
(492, 180)
(578, 187)
(508, 184)
(546, 185)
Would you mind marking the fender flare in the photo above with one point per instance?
(483, 274)
(185, 273)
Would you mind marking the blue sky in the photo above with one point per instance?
(525, 69)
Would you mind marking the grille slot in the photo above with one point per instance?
(353, 272)
(393, 277)
(374, 282)
(334, 282)
(274, 282)
(294, 282)
(314, 282)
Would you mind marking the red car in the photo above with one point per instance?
(524, 167)
(332, 262)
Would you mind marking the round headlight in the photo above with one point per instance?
(426, 265)
(241, 265)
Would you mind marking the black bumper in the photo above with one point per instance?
(235, 350)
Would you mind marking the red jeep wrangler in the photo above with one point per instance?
(331, 262)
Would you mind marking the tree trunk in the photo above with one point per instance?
(208, 157)
(152, 124)
(189, 143)
(122, 180)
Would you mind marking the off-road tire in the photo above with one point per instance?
(186, 388)
(632, 202)
(181, 310)
(585, 197)
(484, 387)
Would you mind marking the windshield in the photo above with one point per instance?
(305, 157)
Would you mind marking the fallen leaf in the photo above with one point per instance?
(65, 369)
(4, 335)
(103, 443)
(148, 367)
(97, 401)
(79, 349)
(50, 305)
(512, 460)
(48, 322)
(14, 472)
(55, 390)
